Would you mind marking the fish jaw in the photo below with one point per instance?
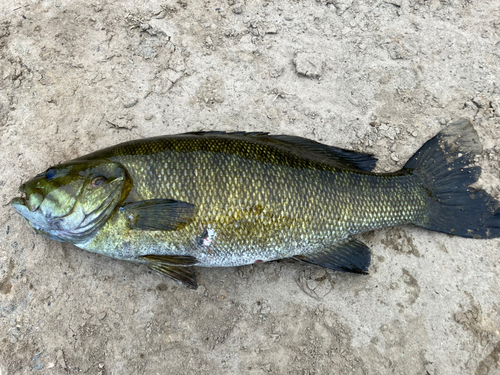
(21, 206)
(32, 217)
(35, 218)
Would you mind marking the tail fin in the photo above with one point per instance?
(443, 165)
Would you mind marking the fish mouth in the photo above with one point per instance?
(32, 203)
(32, 198)
(18, 201)
(24, 206)
(19, 204)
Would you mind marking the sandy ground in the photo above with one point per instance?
(373, 76)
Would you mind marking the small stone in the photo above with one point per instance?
(131, 103)
(340, 5)
(86, 316)
(60, 358)
(309, 64)
(391, 133)
(480, 102)
(398, 51)
(429, 368)
(271, 28)
(495, 105)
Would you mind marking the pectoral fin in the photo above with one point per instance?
(158, 214)
(352, 256)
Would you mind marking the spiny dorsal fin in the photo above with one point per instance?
(329, 154)
(158, 214)
(352, 256)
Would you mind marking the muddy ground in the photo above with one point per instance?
(373, 76)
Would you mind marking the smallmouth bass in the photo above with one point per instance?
(217, 199)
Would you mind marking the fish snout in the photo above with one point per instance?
(18, 201)
(34, 197)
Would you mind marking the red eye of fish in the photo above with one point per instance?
(98, 181)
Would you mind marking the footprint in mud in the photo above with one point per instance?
(315, 283)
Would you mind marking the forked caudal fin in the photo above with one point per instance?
(443, 165)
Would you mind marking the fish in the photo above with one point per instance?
(224, 199)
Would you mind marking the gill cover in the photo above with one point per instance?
(71, 201)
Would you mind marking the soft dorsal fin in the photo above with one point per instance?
(352, 159)
(304, 148)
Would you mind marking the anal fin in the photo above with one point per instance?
(352, 256)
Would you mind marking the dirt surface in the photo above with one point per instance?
(374, 76)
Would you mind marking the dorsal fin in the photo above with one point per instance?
(352, 159)
(274, 149)
(304, 148)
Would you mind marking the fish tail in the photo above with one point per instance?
(443, 165)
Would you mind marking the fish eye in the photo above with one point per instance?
(98, 181)
(50, 173)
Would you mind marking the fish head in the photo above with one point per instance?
(70, 202)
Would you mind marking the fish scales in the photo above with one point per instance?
(230, 199)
